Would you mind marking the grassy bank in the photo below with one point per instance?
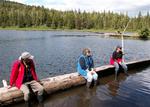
(45, 28)
(26, 28)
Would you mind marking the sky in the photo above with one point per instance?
(132, 7)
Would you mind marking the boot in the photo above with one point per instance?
(88, 84)
(28, 104)
(40, 99)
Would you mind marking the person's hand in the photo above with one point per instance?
(92, 72)
(94, 69)
(8, 87)
(119, 62)
(38, 80)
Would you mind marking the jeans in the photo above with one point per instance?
(91, 77)
(123, 65)
(36, 87)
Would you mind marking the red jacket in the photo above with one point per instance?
(112, 60)
(116, 57)
(17, 73)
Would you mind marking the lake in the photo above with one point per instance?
(56, 52)
(128, 91)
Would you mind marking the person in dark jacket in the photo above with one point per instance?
(23, 75)
(117, 61)
(85, 67)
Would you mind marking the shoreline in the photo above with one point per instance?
(109, 33)
(44, 28)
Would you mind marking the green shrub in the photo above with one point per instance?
(144, 33)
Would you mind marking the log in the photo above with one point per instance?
(62, 82)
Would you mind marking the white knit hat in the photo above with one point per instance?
(26, 55)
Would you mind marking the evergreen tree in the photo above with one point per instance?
(21, 15)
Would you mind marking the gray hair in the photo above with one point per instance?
(85, 51)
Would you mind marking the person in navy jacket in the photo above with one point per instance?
(85, 67)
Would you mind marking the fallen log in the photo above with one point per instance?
(62, 82)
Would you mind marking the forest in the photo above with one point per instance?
(21, 15)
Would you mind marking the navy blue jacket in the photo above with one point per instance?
(85, 63)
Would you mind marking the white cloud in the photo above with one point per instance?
(99, 5)
(91, 5)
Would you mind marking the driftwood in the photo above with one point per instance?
(57, 83)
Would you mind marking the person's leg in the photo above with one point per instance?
(89, 79)
(88, 85)
(124, 66)
(24, 88)
(37, 87)
(95, 77)
(116, 69)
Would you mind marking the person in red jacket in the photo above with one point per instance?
(23, 76)
(117, 61)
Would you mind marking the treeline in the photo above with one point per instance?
(16, 14)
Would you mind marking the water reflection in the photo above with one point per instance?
(108, 91)
(131, 91)
(113, 87)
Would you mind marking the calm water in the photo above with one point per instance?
(131, 91)
(56, 52)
